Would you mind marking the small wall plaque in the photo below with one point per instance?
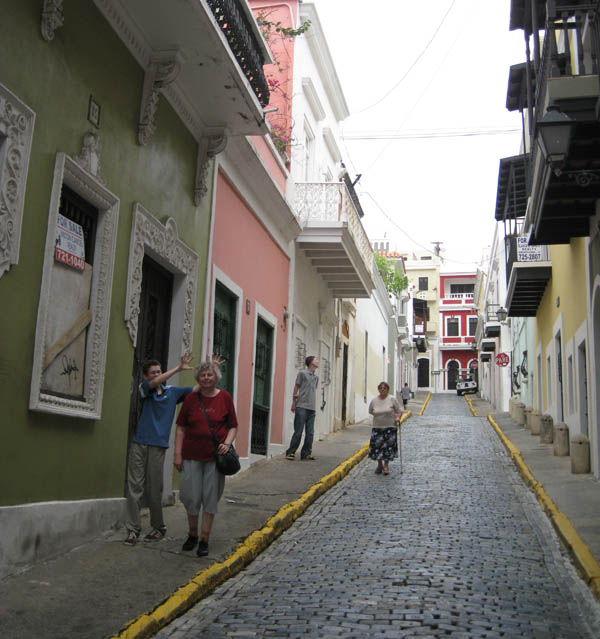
(94, 112)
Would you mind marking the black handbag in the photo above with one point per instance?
(229, 463)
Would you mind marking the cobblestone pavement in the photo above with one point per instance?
(456, 546)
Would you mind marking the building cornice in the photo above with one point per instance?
(317, 42)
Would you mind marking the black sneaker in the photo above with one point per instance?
(190, 542)
(290, 456)
(202, 548)
(155, 535)
(132, 538)
(308, 457)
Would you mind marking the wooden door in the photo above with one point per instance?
(261, 403)
(224, 322)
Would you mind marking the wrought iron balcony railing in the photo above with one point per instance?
(331, 202)
(243, 43)
(571, 46)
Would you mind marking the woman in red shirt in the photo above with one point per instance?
(201, 484)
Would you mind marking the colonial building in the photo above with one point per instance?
(110, 115)
(423, 271)
(548, 203)
(458, 319)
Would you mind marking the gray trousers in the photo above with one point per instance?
(145, 469)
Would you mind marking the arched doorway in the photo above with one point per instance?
(452, 367)
(423, 373)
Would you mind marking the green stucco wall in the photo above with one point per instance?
(47, 457)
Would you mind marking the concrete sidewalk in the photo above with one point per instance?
(96, 589)
(577, 497)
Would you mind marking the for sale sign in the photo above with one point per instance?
(526, 253)
(502, 359)
(70, 248)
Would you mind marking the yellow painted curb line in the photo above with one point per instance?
(425, 403)
(470, 403)
(207, 580)
(584, 560)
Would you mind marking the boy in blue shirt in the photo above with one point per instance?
(149, 444)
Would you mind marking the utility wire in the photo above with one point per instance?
(394, 223)
(433, 133)
(413, 65)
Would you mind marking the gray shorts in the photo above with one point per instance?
(200, 487)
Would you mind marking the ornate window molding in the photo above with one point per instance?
(16, 133)
(160, 241)
(67, 171)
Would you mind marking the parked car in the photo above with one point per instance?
(466, 387)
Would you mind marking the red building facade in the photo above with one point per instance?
(458, 319)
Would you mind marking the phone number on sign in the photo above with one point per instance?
(70, 260)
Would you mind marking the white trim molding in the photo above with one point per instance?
(332, 145)
(67, 171)
(312, 97)
(160, 241)
(16, 133)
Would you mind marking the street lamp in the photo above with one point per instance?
(502, 314)
(554, 137)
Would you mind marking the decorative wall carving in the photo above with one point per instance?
(71, 173)
(163, 69)
(89, 157)
(208, 147)
(149, 235)
(16, 133)
(52, 18)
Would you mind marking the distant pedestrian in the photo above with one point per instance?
(147, 450)
(386, 411)
(202, 485)
(304, 401)
(406, 394)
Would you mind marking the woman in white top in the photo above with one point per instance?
(386, 411)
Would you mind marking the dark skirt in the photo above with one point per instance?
(384, 444)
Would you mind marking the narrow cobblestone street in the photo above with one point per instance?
(455, 546)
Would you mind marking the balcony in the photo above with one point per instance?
(457, 343)
(421, 344)
(528, 270)
(334, 239)
(488, 345)
(429, 296)
(564, 186)
(492, 326)
(205, 57)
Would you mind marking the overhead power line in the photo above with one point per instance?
(394, 223)
(413, 65)
(432, 133)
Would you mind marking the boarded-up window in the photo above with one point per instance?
(69, 314)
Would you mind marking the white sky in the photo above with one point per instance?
(433, 189)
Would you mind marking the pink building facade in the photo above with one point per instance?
(252, 245)
(458, 319)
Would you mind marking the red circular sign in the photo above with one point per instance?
(473, 364)
(502, 359)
